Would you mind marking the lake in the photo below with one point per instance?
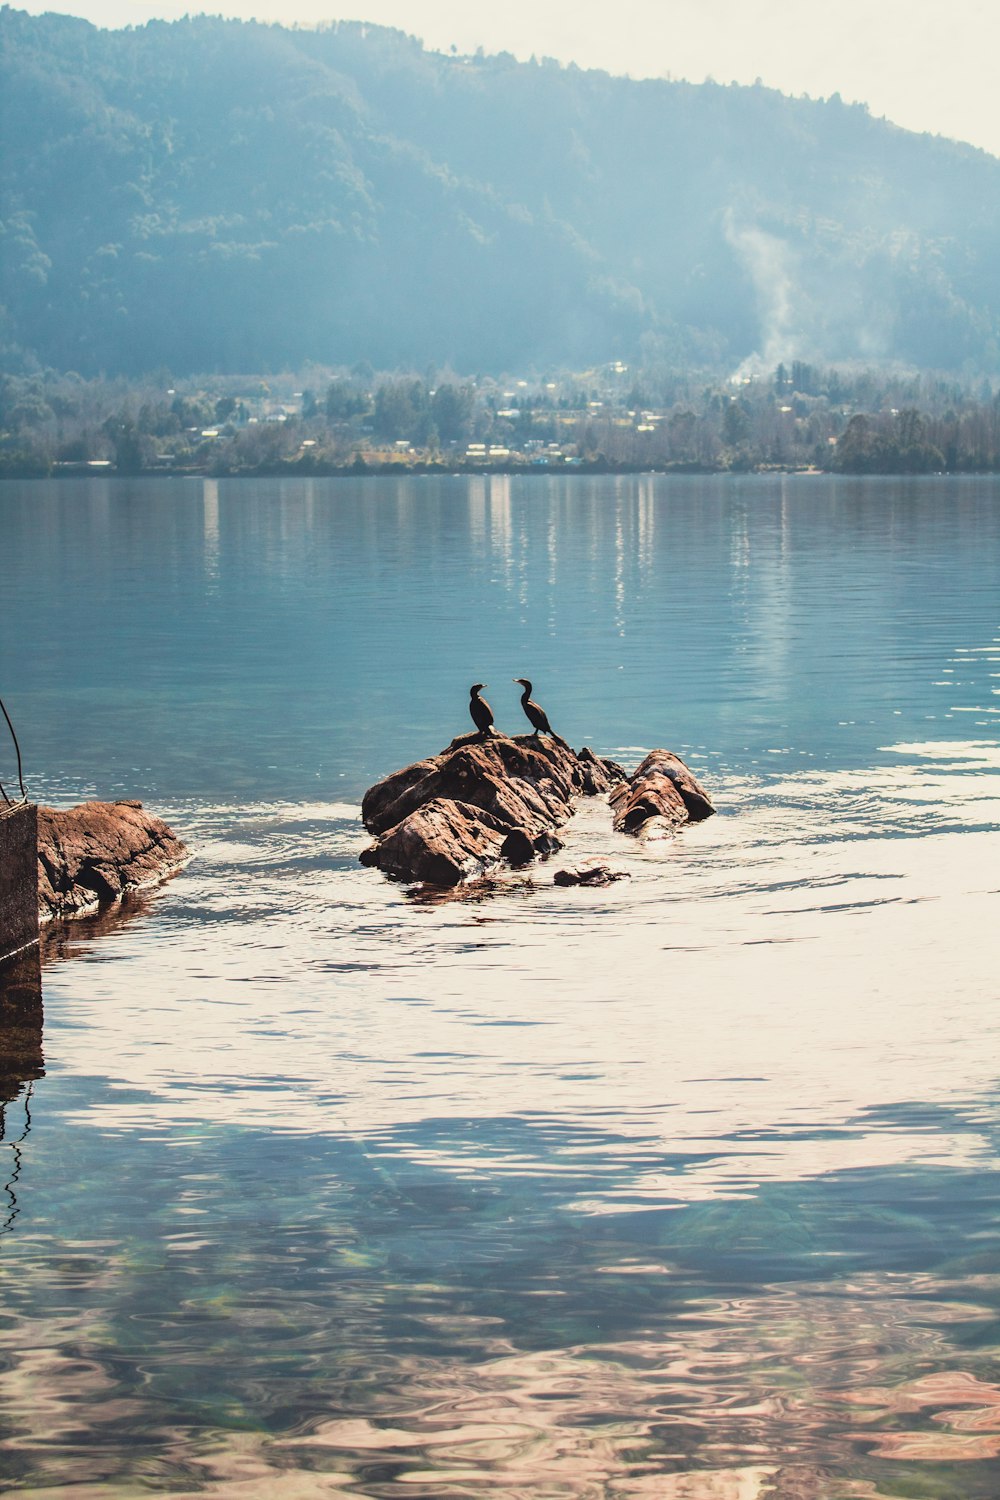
(686, 1188)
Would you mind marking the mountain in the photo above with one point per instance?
(222, 195)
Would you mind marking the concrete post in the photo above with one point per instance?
(18, 878)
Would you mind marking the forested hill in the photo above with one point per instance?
(218, 195)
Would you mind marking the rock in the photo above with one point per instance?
(599, 775)
(443, 843)
(519, 848)
(661, 788)
(482, 801)
(590, 875)
(91, 855)
(484, 771)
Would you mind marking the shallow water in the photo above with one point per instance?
(683, 1188)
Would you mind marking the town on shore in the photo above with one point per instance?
(608, 419)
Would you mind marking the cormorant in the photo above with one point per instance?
(537, 717)
(482, 714)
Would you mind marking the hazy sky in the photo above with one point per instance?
(927, 64)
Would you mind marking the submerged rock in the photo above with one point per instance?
(590, 875)
(485, 800)
(92, 855)
(660, 793)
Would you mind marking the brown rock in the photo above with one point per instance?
(489, 799)
(599, 775)
(519, 848)
(483, 800)
(484, 771)
(443, 843)
(91, 855)
(661, 788)
(590, 875)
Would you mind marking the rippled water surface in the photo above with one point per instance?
(683, 1189)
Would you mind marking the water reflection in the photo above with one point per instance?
(210, 500)
(399, 1329)
(682, 1188)
(704, 613)
(20, 1022)
(466, 1217)
(21, 1063)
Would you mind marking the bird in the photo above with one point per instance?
(482, 714)
(536, 715)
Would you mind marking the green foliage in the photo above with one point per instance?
(219, 195)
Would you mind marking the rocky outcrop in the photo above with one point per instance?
(483, 801)
(92, 855)
(660, 794)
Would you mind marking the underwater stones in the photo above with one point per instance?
(93, 854)
(660, 793)
(485, 800)
(590, 875)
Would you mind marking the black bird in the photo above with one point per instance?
(482, 714)
(537, 717)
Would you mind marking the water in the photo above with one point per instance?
(683, 1188)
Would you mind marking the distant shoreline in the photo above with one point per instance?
(443, 471)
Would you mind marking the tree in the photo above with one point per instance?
(452, 409)
(683, 430)
(345, 399)
(399, 407)
(735, 424)
(856, 448)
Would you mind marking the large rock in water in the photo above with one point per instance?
(483, 801)
(660, 793)
(91, 855)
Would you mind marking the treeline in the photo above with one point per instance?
(606, 419)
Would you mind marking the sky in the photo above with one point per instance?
(925, 64)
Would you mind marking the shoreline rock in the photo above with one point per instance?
(484, 801)
(91, 855)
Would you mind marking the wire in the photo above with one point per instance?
(7, 1226)
(17, 748)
